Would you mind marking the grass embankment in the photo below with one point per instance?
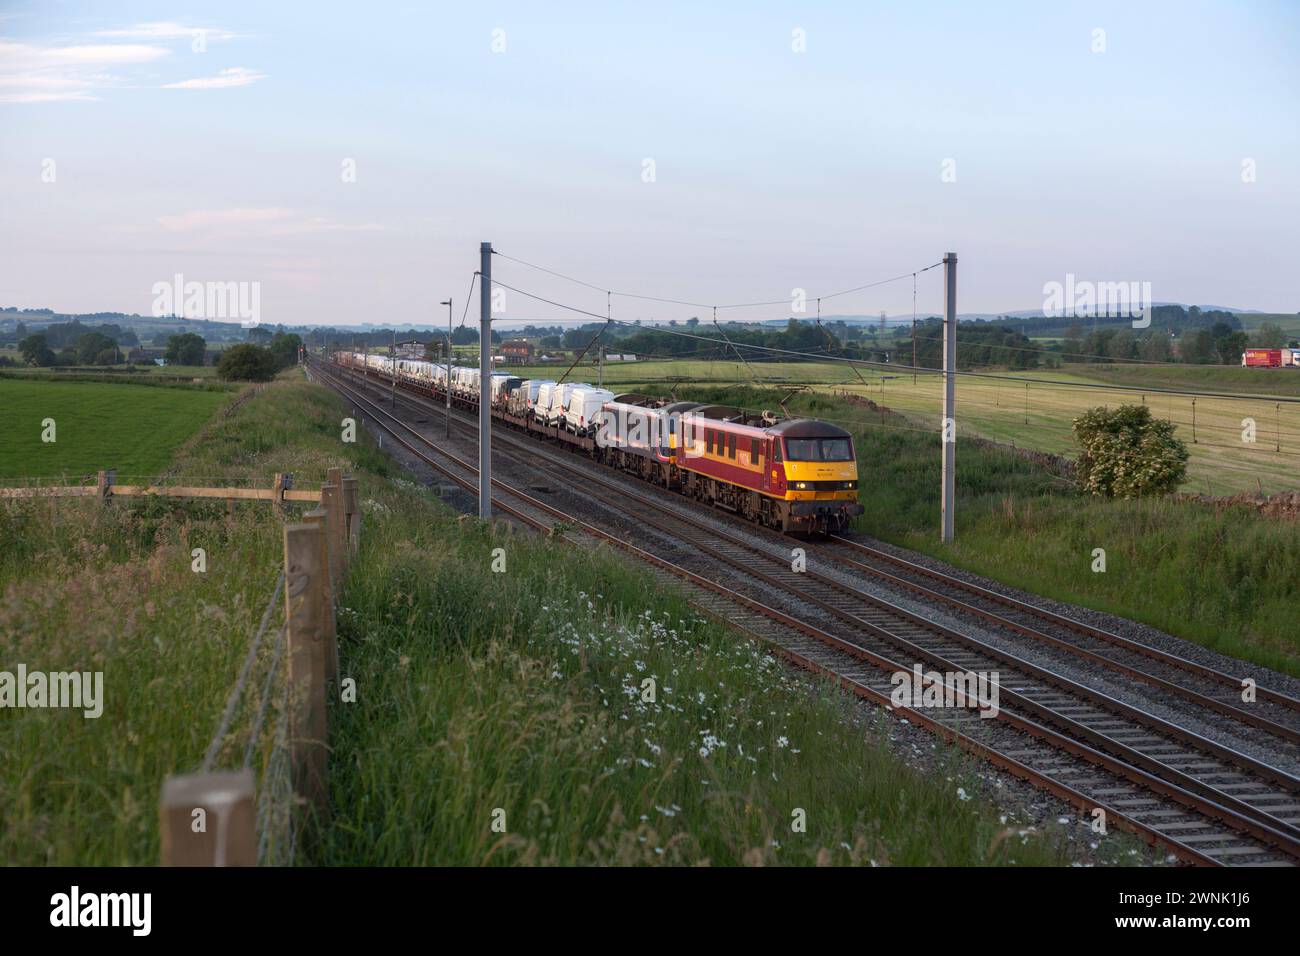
(477, 691)
(1228, 581)
(519, 696)
(132, 428)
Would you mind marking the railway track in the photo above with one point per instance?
(1205, 688)
(1205, 802)
(1272, 711)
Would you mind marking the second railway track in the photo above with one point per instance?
(1206, 802)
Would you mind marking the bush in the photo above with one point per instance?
(186, 349)
(36, 350)
(91, 346)
(1128, 454)
(246, 363)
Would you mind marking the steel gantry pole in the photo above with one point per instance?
(949, 392)
(447, 384)
(485, 381)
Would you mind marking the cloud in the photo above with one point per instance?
(167, 30)
(264, 221)
(45, 72)
(205, 218)
(31, 73)
(321, 224)
(235, 76)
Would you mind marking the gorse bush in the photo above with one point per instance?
(1128, 454)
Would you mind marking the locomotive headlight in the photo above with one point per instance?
(801, 486)
(849, 485)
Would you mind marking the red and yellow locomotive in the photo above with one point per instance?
(794, 475)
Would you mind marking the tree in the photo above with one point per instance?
(1154, 346)
(91, 345)
(259, 334)
(1268, 336)
(1230, 347)
(1128, 454)
(1197, 347)
(185, 349)
(285, 348)
(1122, 345)
(108, 356)
(246, 363)
(36, 351)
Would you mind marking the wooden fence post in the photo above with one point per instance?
(317, 517)
(277, 489)
(307, 610)
(104, 484)
(352, 507)
(331, 499)
(209, 819)
(337, 523)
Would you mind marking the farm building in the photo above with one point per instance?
(517, 351)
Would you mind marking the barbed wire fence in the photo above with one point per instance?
(262, 786)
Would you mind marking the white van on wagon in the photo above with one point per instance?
(560, 401)
(583, 409)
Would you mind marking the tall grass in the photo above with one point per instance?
(520, 698)
(92, 587)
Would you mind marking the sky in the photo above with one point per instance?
(349, 158)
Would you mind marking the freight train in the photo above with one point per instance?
(794, 475)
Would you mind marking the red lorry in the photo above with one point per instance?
(1262, 358)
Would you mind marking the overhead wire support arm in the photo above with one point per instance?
(835, 343)
(752, 374)
(584, 351)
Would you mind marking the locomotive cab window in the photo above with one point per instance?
(819, 449)
(754, 456)
(731, 447)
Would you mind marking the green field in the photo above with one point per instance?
(1029, 411)
(179, 373)
(1289, 322)
(476, 691)
(133, 428)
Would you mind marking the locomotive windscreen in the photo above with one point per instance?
(818, 449)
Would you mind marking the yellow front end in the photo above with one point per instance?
(821, 481)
